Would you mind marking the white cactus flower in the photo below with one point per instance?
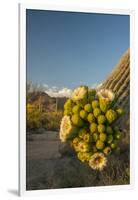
(98, 161)
(79, 93)
(106, 94)
(65, 128)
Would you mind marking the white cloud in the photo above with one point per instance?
(58, 92)
(54, 91)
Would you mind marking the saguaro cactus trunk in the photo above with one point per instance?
(119, 82)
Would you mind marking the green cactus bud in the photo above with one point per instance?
(107, 150)
(68, 104)
(113, 145)
(101, 128)
(93, 127)
(109, 130)
(120, 111)
(76, 109)
(109, 139)
(96, 112)
(81, 157)
(84, 147)
(95, 136)
(100, 145)
(118, 135)
(91, 94)
(91, 98)
(76, 147)
(88, 107)
(88, 155)
(115, 128)
(76, 140)
(104, 105)
(95, 104)
(84, 156)
(82, 132)
(111, 116)
(101, 119)
(67, 112)
(82, 102)
(76, 120)
(87, 138)
(103, 137)
(90, 118)
(83, 114)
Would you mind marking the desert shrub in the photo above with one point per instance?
(52, 120)
(38, 119)
(33, 117)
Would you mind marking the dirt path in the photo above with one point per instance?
(43, 146)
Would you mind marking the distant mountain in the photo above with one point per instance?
(44, 101)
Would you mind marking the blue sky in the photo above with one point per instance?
(66, 49)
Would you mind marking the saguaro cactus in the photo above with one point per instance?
(93, 120)
(119, 82)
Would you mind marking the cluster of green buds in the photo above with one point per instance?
(89, 125)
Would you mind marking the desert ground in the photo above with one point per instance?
(51, 165)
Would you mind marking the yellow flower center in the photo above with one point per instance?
(98, 160)
(66, 126)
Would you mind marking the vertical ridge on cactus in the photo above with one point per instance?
(119, 82)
